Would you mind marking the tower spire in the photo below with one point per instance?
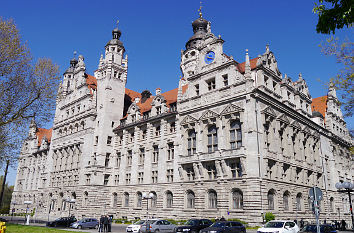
(200, 10)
(247, 66)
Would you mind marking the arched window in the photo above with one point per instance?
(139, 198)
(237, 199)
(190, 199)
(212, 139)
(169, 199)
(270, 198)
(126, 199)
(154, 200)
(114, 200)
(192, 143)
(298, 201)
(213, 199)
(331, 204)
(85, 202)
(286, 200)
(235, 135)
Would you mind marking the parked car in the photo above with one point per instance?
(158, 226)
(324, 228)
(225, 227)
(135, 227)
(194, 225)
(62, 222)
(279, 226)
(85, 223)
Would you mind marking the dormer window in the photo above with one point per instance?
(211, 84)
(197, 89)
(158, 110)
(225, 80)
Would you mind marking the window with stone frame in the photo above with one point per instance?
(286, 200)
(116, 179)
(309, 177)
(169, 199)
(298, 202)
(143, 134)
(170, 151)
(212, 199)
(212, 139)
(235, 135)
(106, 161)
(158, 110)
(283, 138)
(120, 140)
(154, 200)
(190, 199)
(225, 80)
(172, 127)
(106, 179)
(211, 84)
(237, 199)
(140, 177)
(139, 198)
(146, 115)
(211, 170)
(169, 175)
(196, 87)
(126, 199)
(190, 173)
(154, 176)
(331, 204)
(235, 168)
(286, 171)
(141, 156)
(114, 200)
(155, 154)
(131, 136)
(173, 107)
(298, 174)
(270, 168)
(157, 130)
(192, 142)
(270, 198)
(88, 179)
(109, 140)
(128, 178)
(129, 158)
(118, 159)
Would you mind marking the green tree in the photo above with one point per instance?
(27, 88)
(7, 197)
(344, 54)
(269, 216)
(333, 14)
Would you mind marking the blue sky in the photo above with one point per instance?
(155, 31)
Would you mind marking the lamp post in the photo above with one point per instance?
(347, 187)
(27, 203)
(146, 197)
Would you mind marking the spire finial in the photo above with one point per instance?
(200, 10)
(117, 22)
(267, 47)
(75, 54)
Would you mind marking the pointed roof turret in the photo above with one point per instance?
(247, 66)
(200, 29)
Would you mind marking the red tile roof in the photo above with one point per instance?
(253, 63)
(319, 104)
(91, 82)
(44, 132)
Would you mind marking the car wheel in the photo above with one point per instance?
(157, 231)
(54, 225)
(79, 227)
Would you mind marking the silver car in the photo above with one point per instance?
(158, 226)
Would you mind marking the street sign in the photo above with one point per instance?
(315, 194)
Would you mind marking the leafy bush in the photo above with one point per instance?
(269, 216)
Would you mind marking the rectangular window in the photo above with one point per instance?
(154, 177)
(169, 175)
(143, 134)
(88, 179)
(109, 140)
(131, 137)
(146, 115)
(211, 171)
(155, 154)
(127, 178)
(106, 161)
(235, 135)
(116, 179)
(140, 177)
(197, 89)
(225, 80)
(190, 173)
(211, 84)
(192, 143)
(96, 140)
(157, 131)
(158, 110)
(129, 158)
(170, 151)
(112, 124)
(118, 159)
(106, 179)
(172, 127)
(212, 139)
(141, 156)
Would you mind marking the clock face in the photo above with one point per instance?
(209, 57)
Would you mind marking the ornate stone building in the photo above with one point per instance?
(234, 139)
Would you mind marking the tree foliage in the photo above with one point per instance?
(344, 53)
(333, 14)
(27, 88)
(269, 216)
(7, 197)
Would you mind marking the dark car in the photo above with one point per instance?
(324, 228)
(62, 222)
(225, 227)
(194, 225)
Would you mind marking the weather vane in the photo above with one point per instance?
(200, 9)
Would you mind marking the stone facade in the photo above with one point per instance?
(234, 139)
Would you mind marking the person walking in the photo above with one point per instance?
(105, 223)
(100, 227)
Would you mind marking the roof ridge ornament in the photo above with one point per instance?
(200, 10)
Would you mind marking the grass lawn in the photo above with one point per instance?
(16, 228)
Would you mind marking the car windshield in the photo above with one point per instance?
(218, 224)
(274, 225)
(191, 222)
(140, 222)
